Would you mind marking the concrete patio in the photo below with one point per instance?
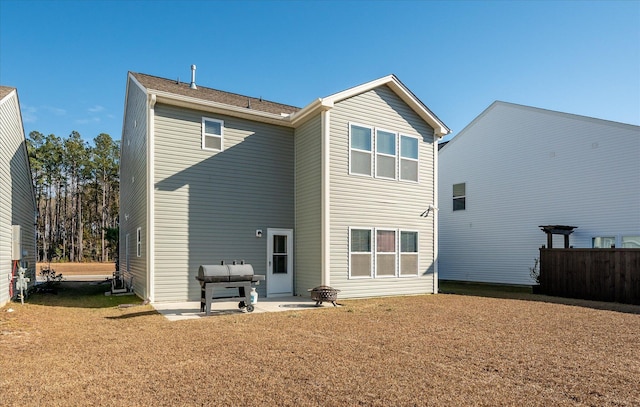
(177, 311)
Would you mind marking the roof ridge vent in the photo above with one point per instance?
(193, 77)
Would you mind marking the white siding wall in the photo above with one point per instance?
(365, 201)
(525, 167)
(209, 204)
(133, 186)
(17, 205)
(308, 237)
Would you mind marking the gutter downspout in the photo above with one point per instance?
(150, 200)
(325, 243)
(436, 138)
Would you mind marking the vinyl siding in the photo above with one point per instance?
(209, 204)
(133, 186)
(17, 205)
(359, 201)
(308, 232)
(524, 167)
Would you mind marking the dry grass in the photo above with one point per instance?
(74, 269)
(423, 350)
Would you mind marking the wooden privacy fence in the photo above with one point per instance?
(592, 274)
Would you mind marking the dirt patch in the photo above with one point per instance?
(75, 269)
(405, 351)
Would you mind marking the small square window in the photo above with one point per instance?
(212, 134)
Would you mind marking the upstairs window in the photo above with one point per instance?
(212, 134)
(408, 158)
(459, 197)
(360, 145)
(385, 154)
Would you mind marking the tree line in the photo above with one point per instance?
(77, 192)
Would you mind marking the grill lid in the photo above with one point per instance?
(211, 273)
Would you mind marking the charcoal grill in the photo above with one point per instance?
(235, 275)
(323, 293)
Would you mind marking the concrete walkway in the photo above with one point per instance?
(176, 311)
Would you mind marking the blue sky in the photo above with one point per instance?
(69, 59)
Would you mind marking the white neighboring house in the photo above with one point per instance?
(515, 168)
(17, 199)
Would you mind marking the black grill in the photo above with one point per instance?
(235, 275)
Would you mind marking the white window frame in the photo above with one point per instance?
(394, 253)
(400, 158)
(371, 253)
(454, 198)
(598, 239)
(138, 242)
(417, 253)
(371, 152)
(205, 134)
(629, 240)
(394, 156)
(374, 154)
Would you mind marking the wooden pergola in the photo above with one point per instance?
(551, 230)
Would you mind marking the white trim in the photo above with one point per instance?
(294, 119)
(127, 253)
(435, 217)
(150, 258)
(14, 93)
(8, 96)
(325, 238)
(204, 134)
(139, 242)
(402, 91)
(290, 259)
(221, 108)
(371, 152)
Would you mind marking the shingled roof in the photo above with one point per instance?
(213, 95)
(5, 90)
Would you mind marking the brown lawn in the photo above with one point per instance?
(74, 269)
(446, 349)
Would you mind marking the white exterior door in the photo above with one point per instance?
(279, 262)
